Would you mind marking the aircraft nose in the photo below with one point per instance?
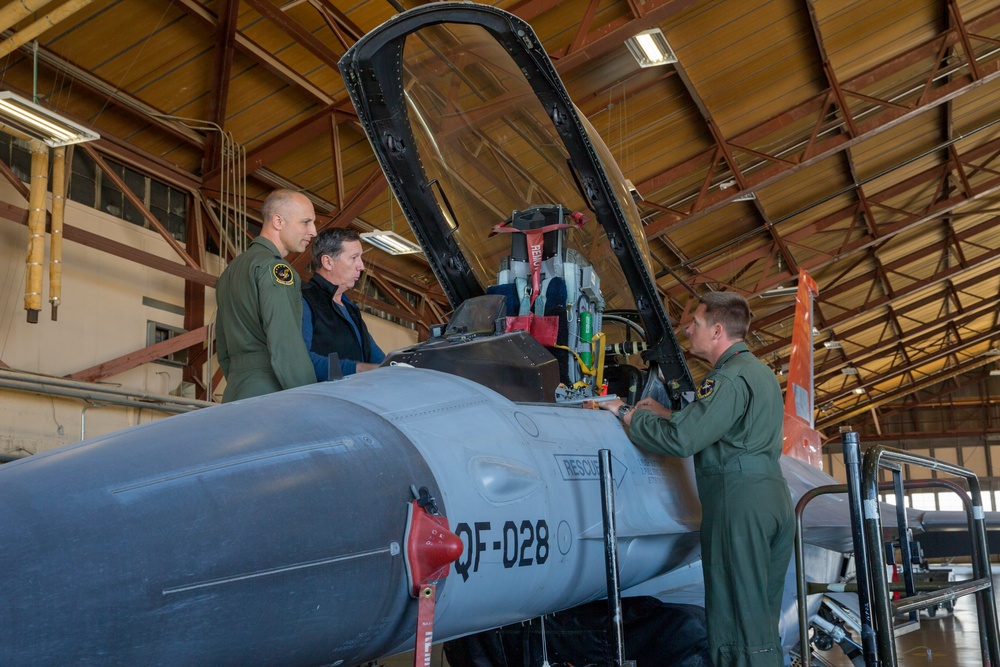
(430, 547)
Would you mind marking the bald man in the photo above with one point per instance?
(259, 296)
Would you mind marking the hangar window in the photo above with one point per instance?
(370, 289)
(20, 158)
(923, 501)
(83, 180)
(88, 186)
(949, 502)
(16, 153)
(157, 333)
(170, 208)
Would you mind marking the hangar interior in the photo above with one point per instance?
(858, 140)
(855, 140)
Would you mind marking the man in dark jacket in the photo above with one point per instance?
(733, 430)
(330, 322)
(259, 298)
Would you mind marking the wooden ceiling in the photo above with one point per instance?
(867, 131)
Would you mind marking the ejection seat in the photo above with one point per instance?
(553, 292)
(546, 308)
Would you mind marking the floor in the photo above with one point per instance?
(944, 640)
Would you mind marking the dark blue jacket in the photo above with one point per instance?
(325, 329)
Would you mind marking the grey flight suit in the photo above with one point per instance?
(734, 431)
(259, 324)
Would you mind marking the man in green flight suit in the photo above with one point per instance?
(734, 431)
(259, 296)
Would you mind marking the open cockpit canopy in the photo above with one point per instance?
(478, 137)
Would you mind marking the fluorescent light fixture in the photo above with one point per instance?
(746, 196)
(391, 242)
(778, 292)
(849, 370)
(650, 48)
(832, 345)
(859, 390)
(994, 372)
(36, 122)
(636, 197)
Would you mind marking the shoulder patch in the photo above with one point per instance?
(283, 274)
(706, 388)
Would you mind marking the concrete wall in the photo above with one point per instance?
(102, 316)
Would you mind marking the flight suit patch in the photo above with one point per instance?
(283, 274)
(706, 388)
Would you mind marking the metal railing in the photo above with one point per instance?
(875, 606)
(981, 584)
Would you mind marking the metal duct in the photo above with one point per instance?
(58, 215)
(53, 386)
(36, 229)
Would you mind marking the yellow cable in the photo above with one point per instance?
(595, 370)
(599, 336)
(586, 370)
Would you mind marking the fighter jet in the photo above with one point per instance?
(318, 526)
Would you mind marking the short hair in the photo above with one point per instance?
(730, 310)
(331, 242)
(275, 202)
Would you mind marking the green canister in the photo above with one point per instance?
(586, 333)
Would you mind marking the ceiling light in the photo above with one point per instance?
(994, 372)
(833, 345)
(650, 48)
(995, 352)
(746, 196)
(859, 390)
(391, 242)
(36, 122)
(779, 292)
(849, 370)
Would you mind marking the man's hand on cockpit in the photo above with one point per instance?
(645, 404)
(654, 407)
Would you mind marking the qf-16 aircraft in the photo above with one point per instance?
(300, 528)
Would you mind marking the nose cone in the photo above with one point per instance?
(430, 547)
(222, 536)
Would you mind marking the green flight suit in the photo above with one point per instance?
(258, 327)
(734, 430)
